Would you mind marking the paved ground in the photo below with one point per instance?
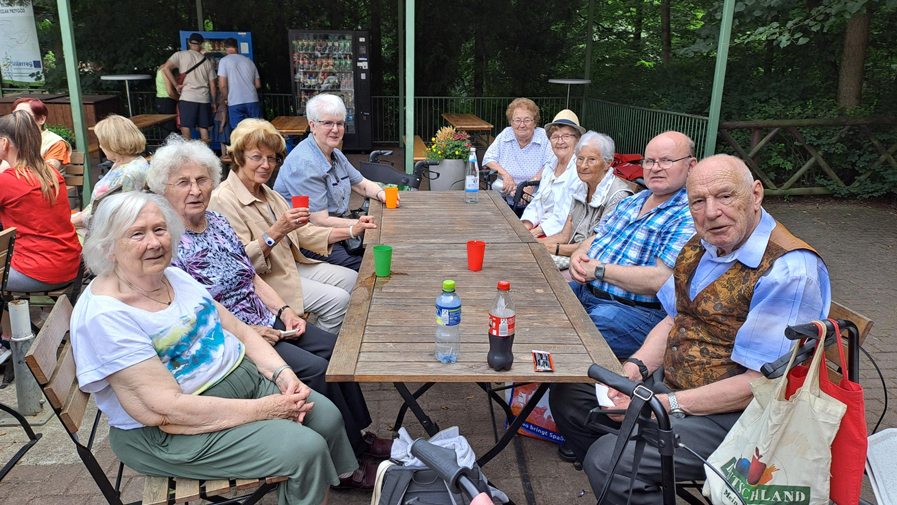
(858, 242)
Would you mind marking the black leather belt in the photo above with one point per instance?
(604, 295)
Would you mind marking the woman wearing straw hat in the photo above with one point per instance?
(547, 212)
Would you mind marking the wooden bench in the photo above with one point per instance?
(74, 177)
(419, 148)
(52, 363)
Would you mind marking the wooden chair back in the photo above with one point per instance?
(864, 325)
(7, 244)
(74, 176)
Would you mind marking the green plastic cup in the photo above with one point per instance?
(382, 260)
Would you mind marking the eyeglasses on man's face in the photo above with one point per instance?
(663, 163)
(258, 158)
(203, 183)
(565, 137)
(331, 124)
(523, 121)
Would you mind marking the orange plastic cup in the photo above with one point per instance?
(392, 197)
(476, 249)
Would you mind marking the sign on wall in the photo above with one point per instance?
(20, 57)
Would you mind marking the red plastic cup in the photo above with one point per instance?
(476, 249)
(300, 202)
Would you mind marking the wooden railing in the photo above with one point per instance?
(821, 169)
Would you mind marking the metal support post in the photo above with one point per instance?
(28, 394)
(400, 34)
(409, 85)
(74, 81)
(590, 32)
(719, 77)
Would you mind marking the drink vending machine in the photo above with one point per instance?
(335, 62)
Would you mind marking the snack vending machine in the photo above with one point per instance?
(335, 62)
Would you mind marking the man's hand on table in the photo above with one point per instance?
(582, 268)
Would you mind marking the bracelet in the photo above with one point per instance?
(280, 312)
(641, 367)
(277, 372)
(378, 192)
(557, 249)
(352, 231)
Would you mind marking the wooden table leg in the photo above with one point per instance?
(411, 402)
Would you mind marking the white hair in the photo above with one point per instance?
(604, 144)
(111, 221)
(325, 104)
(175, 155)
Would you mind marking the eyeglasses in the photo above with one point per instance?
(589, 161)
(527, 122)
(330, 124)
(258, 158)
(203, 183)
(664, 163)
(565, 137)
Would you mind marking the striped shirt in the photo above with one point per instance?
(626, 239)
(522, 164)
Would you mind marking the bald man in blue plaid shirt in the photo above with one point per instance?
(618, 272)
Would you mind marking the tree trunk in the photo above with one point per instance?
(666, 39)
(856, 39)
(638, 26)
(769, 59)
(376, 34)
(479, 55)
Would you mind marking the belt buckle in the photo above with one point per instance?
(640, 392)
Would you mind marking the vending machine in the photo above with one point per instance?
(335, 62)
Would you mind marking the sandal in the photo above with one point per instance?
(363, 478)
(377, 447)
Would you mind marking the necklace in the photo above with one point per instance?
(141, 292)
(205, 224)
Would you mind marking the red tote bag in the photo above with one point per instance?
(849, 446)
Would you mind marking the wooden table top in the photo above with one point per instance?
(146, 120)
(388, 332)
(467, 122)
(291, 125)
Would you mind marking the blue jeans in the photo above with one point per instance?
(237, 113)
(623, 327)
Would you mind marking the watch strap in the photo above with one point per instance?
(268, 240)
(599, 272)
(675, 409)
(641, 367)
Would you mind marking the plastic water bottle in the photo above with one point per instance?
(448, 324)
(502, 322)
(472, 179)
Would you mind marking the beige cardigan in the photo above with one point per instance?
(249, 217)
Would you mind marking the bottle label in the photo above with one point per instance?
(472, 183)
(448, 317)
(501, 326)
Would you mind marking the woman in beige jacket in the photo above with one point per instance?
(273, 233)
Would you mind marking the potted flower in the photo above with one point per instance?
(451, 149)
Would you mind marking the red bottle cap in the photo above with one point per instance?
(504, 285)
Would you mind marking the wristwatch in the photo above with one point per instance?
(599, 272)
(268, 240)
(675, 410)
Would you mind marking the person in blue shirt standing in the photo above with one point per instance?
(318, 169)
(239, 81)
(618, 271)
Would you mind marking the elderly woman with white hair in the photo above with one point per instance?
(185, 173)
(318, 169)
(191, 391)
(597, 194)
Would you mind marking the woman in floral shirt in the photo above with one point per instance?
(123, 144)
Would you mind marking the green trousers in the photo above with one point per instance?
(312, 454)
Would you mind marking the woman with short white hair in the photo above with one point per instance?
(317, 168)
(191, 391)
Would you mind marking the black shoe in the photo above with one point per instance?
(566, 454)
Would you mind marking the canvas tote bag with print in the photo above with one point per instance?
(779, 451)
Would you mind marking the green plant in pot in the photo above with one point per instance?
(449, 144)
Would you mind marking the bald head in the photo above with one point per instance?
(675, 150)
(679, 141)
(724, 201)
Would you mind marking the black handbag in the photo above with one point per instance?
(354, 246)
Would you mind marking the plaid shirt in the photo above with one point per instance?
(626, 239)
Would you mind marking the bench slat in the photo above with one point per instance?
(41, 357)
(73, 412)
(155, 491)
(217, 487)
(244, 484)
(274, 480)
(185, 490)
(60, 385)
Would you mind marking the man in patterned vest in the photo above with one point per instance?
(735, 287)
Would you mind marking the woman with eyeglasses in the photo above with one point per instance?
(594, 198)
(520, 150)
(547, 212)
(274, 235)
(318, 169)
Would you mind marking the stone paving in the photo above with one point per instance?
(857, 241)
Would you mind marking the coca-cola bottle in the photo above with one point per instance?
(501, 329)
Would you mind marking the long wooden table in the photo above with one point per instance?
(477, 128)
(388, 332)
(291, 125)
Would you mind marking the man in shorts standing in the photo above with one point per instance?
(197, 88)
(238, 79)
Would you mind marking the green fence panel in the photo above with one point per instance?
(632, 127)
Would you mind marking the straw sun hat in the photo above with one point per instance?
(566, 117)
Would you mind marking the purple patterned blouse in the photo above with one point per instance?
(216, 258)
